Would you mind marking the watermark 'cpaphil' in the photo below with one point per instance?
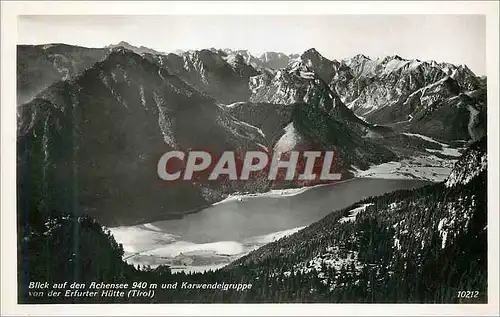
(230, 165)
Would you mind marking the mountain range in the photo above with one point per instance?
(109, 113)
(408, 94)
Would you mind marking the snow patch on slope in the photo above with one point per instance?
(457, 215)
(353, 213)
(271, 237)
(446, 149)
(288, 140)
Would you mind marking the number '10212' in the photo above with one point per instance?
(467, 294)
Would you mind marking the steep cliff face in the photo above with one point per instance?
(93, 142)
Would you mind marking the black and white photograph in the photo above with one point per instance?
(252, 159)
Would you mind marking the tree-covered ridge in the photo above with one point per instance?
(67, 248)
(392, 252)
(419, 245)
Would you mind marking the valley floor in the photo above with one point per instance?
(430, 164)
(429, 167)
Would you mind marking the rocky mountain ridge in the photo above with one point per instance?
(441, 100)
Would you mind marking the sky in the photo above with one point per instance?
(458, 39)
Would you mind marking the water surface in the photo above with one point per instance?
(238, 219)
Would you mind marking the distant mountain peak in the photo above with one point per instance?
(465, 68)
(361, 56)
(121, 50)
(312, 56)
(123, 43)
(393, 57)
(139, 50)
(311, 51)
